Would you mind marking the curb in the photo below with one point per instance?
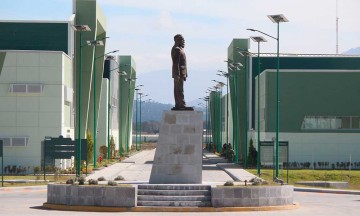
(228, 172)
(333, 191)
(167, 209)
(22, 189)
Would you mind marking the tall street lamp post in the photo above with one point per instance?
(246, 80)
(227, 75)
(79, 28)
(137, 88)
(96, 43)
(258, 39)
(136, 118)
(141, 97)
(206, 99)
(235, 67)
(123, 73)
(129, 80)
(220, 86)
(276, 19)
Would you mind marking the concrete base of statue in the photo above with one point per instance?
(178, 156)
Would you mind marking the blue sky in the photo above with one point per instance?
(145, 28)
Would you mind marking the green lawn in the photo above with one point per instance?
(50, 178)
(353, 177)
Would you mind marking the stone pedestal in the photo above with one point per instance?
(178, 156)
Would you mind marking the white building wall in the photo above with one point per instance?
(319, 147)
(32, 115)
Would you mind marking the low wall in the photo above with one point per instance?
(251, 196)
(94, 195)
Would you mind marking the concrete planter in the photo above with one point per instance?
(94, 195)
(252, 196)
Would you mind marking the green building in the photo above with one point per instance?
(319, 110)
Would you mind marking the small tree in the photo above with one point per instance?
(252, 156)
(103, 151)
(90, 146)
(112, 147)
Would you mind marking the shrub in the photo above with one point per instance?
(36, 169)
(102, 178)
(229, 183)
(90, 145)
(103, 151)
(112, 147)
(93, 182)
(258, 181)
(70, 181)
(81, 180)
(119, 178)
(112, 183)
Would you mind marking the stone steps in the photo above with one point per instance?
(171, 198)
(174, 192)
(175, 203)
(173, 187)
(174, 195)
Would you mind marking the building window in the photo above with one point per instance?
(331, 123)
(15, 141)
(26, 88)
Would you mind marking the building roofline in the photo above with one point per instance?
(304, 55)
(35, 21)
(36, 51)
(312, 71)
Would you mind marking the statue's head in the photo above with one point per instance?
(179, 40)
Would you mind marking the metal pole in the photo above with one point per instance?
(94, 95)
(108, 116)
(128, 122)
(246, 113)
(227, 110)
(277, 105)
(206, 125)
(2, 162)
(236, 121)
(120, 117)
(258, 113)
(140, 123)
(2, 168)
(78, 165)
(220, 122)
(136, 120)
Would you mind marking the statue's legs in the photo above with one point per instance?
(179, 92)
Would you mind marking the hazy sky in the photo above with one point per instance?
(145, 28)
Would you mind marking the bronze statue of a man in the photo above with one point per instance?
(179, 72)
